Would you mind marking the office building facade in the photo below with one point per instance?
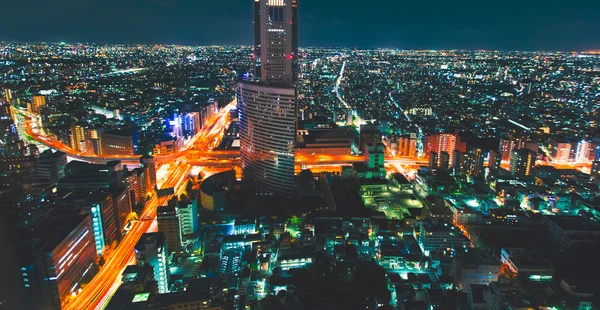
(120, 142)
(188, 219)
(522, 162)
(267, 109)
(152, 250)
(68, 261)
(168, 223)
(267, 120)
(50, 167)
(276, 40)
(149, 167)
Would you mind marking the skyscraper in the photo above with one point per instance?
(267, 136)
(267, 108)
(276, 39)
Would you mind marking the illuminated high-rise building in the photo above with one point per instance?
(445, 142)
(276, 39)
(38, 101)
(522, 162)
(477, 158)
(267, 121)
(5, 111)
(78, 138)
(295, 52)
(585, 152)
(267, 108)
(102, 211)
(369, 134)
(93, 142)
(8, 95)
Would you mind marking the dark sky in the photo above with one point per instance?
(427, 24)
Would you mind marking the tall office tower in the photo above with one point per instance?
(257, 58)
(276, 39)
(407, 145)
(93, 142)
(508, 145)
(64, 260)
(295, 52)
(152, 249)
(267, 125)
(522, 162)
(561, 149)
(147, 163)
(168, 223)
(267, 109)
(120, 142)
(190, 123)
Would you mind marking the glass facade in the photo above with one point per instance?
(267, 121)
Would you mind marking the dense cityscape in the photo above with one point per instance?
(274, 176)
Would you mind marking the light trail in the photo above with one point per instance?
(99, 290)
(420, 146)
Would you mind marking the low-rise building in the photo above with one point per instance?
(528, 264)
(474, 266)
(567, 231)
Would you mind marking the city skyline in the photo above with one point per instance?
(528, 25)
(265, 176)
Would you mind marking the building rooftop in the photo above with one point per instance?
(400, 178)
(529, 260)
(573, 223)
(475, 257)
(216, 182)
(57, 227)
(152, 239)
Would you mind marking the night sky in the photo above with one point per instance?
(427, 24)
